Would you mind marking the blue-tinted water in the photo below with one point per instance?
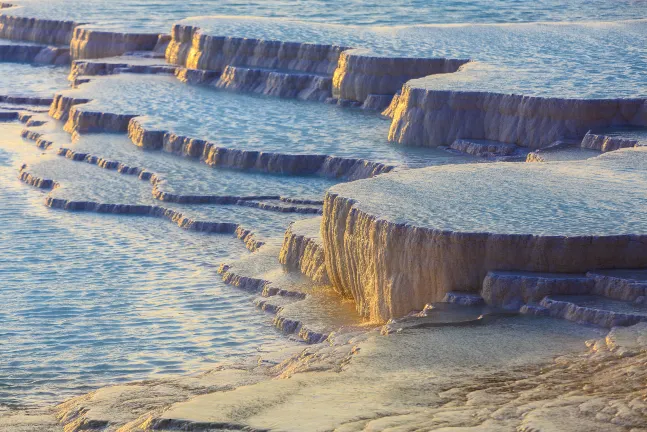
(89, 299)
(143, 15)
(241, 121)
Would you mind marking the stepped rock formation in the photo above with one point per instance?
(395, 260)
(278, 163)
(83, 42)
(191, 48)
(360, 74)
(303, 251)
(605, 143)
(431, 118)
(37, 30)
(34, 54)
(295, 68)
(293, 85)
(88, 43)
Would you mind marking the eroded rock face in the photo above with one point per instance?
(511, 290)
(302, 250)
(87, 43)
(34, 54)
(359, 74)
(605, 143)
(396, 242)
(36, 30)
(278, 163)
(290, 85)
(192, 49)
(431, 118)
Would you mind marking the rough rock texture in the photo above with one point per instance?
(493, 381)
(192, 49)
(588, 315)
(88, 44)
(484, 148)
(293, 85)
(94, 68)
(359, 73)
(377, 102)
(61, 105)
(511, 290)
(605, 143)
(390, 268)
(463, 299)
(431, 118)
(279, 163)
(620, 284)
(196, 76)
(34, 54)
(303, 250)
(80, 119)
(36, 30)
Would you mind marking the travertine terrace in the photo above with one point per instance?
(405, 216)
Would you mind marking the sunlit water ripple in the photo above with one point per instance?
(95, 299)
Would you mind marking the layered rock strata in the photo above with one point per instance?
(587, 315)
(431, 118)
(291, 85)
(360, 74)
(88, 43)
(34, 54)
(185, 222)
(512, 290)
(97, 68)
(303, 250)
(278, 163)
(37, 30)
(191, 48)
(605, 143)
(391, 266)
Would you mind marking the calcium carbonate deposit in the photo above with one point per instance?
(323, 215)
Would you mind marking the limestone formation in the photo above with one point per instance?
(431, 118)
(360, 73)
(511, 290)
(606, 143)
(90, 43)
(191, 48)
(395, 259)
(37, 30)
(303, 251)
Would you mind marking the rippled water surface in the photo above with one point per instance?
(577, 60)
(94, 299)
(235, 120)
(143, 15)
(31, 80)
(600, 196)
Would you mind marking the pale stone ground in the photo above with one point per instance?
(517, 374)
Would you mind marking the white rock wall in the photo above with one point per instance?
(433, 118)
(359, 74)
(192, 49)
(391, 269)
(88, 44)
